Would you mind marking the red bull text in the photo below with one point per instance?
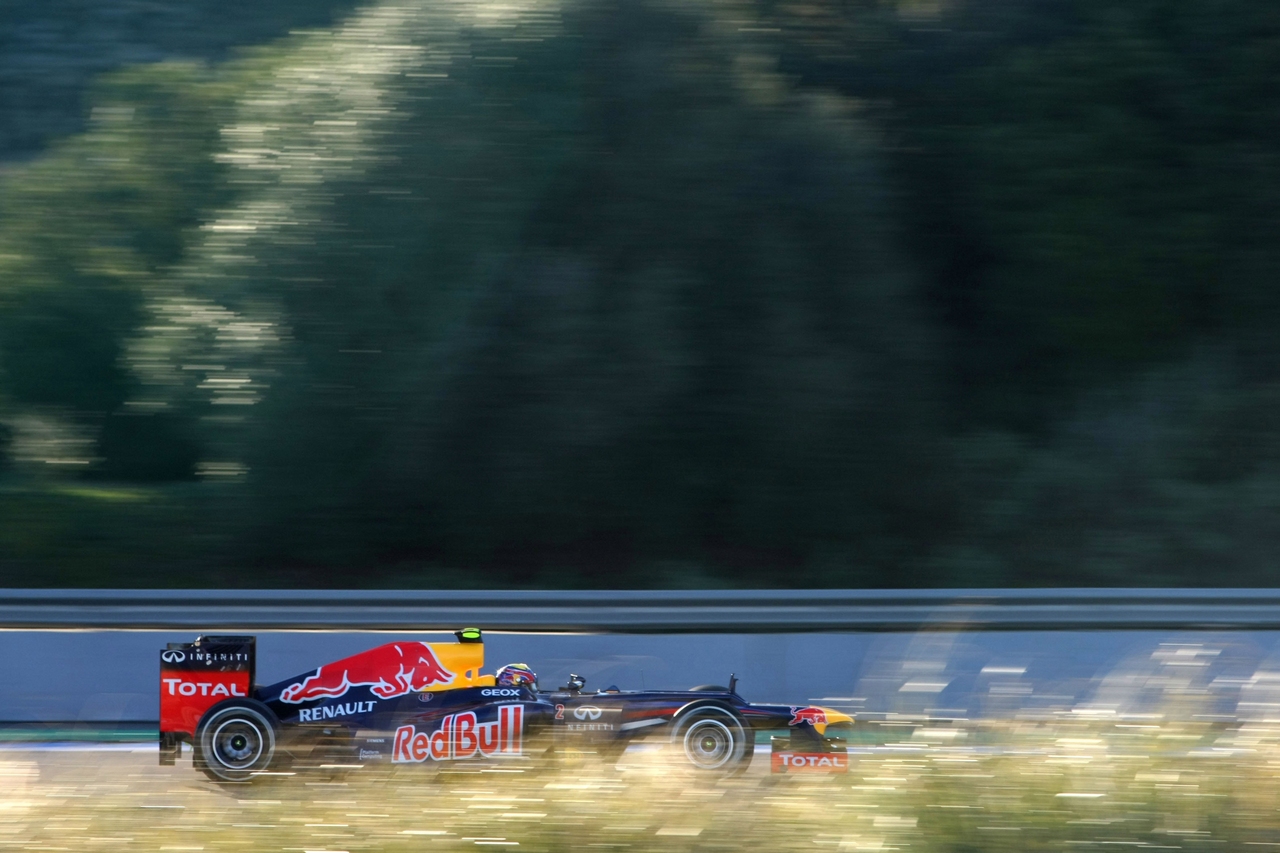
(812, 716)
(460, 736)
(809, 762)
(389, 671)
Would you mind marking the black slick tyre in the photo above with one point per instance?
(235, 741)
(711, 740)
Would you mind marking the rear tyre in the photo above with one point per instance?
(235, 741)
(712, 740)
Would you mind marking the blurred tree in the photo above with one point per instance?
(617, 295)
(50, 50)
(6, 447)
(1170, 480)
(1088, 184)
(84, 232)
(600, 293)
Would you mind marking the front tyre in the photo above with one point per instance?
(711, 740)
(235, 741)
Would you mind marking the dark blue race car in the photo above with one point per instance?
(411, 702)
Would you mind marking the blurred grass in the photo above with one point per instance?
(1050, 784)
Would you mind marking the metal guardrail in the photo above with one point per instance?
(666, 611)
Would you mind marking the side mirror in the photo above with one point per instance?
(576, 683)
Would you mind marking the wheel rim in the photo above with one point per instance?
(237, 743)
(708, 744)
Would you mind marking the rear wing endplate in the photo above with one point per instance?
(196, 676)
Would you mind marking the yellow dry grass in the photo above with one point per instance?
(1063, 784)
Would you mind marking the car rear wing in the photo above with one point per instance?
(196, 676)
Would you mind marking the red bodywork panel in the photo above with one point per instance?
(185, 696)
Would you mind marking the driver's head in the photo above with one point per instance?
(516, 675)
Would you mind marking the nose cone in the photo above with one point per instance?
(833, 718)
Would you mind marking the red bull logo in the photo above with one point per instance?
(812, 716)
(460, 737)
(388, 671)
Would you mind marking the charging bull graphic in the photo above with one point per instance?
(389, 671)
(812, 716)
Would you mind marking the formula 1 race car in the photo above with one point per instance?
(412, 702)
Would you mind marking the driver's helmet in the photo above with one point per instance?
(516, 675)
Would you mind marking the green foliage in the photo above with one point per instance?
(51, 50)
(1110, 182)
(1089, 184)
(874, 293)
(6, 448)
(1174, 480)
(148, 447)
(85, 231)
(512, 357)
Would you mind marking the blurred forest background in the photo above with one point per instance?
(621, 293)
